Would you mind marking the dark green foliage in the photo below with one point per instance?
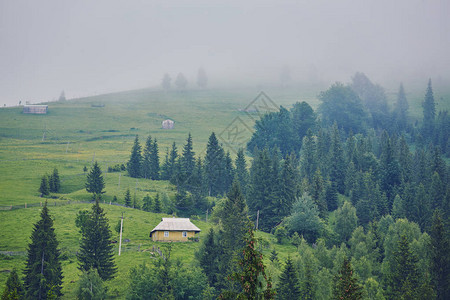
(308, 159)
(91, 286)
(154, 161)
(135, 202)
(146, 158)
(346, 285)
(85, 169)
(43, 273)
(303, 120)
(390, 173)
(94, 181)
(127, 198)
(401, 110)
(13, 288)
(342, 105)
(157, 205)
(403, 282)
(287, 188)
(331, 196)
(281, 234)
(168, 167)
(214, 167)
(209, 257)
(440, 249)
(318, 193)
(304, 218)
(54, 181)
(346, 221)
(96, 250)
(429, 113)
(44, 188)
(289, 286)
(134, 165)
(336, 158)
(147, 203)
(252, 276)
(118, 225)
(241, 173)
(274, 255)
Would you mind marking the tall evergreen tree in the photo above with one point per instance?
(44, 188)
(209, 256)
(318, 193)
(134, 165)
(401, 109)
(127, 198)
(54, 181)
(308, 160)
(288, 186)
(390, 173)
(154, 161)
(346, 285)
(229, 171)
(289, 286)
(440, 249)
(429, 113)
(147, 203)
(214, 166)
(13, 288)
(157, 205)
(94, 181)
(168, 167)
(187, 164)
(337, 163)
(241, 173)
(43, 272)
(146, 158)
(96, 250)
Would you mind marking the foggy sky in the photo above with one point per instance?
(91, 47)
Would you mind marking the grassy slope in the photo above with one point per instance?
(77, 133)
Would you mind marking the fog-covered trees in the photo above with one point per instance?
(181, 82)
(202, 79)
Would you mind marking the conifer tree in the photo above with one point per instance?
(127, 198)
(337, 163)
(401, 109)
(13, 288)
(429, 113)
(44, 188)
(308, 158)
(289, 283)
(440, 249)
(147, 203)
(346, 285)
(94, 181)
(318, 193)
(136, 204)
(186, 165)
(308, 283)
(134, 165)
(157, 204)
(241, 173)
(229, 171)
(96, 251)
(146, 158)
(43, 272)
(214, 166)
(55, 181)
(154, 161)
(209, 256)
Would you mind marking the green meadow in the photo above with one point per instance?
(77, 132)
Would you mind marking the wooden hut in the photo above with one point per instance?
(35, 109)
(174, 230)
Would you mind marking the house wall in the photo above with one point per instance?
(174, 236)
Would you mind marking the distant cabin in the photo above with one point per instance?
(174, 230)
(167, 124)
(35, 109)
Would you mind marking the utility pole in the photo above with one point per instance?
(257, 219)
(120, 238)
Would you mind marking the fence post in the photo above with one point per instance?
(10, 208)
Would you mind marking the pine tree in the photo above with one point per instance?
(440, 249)
(157, 205)
(289, 283)
(134, 165)
(94, 181)
(13, 288)
(127, 198)
(187, 164)
(96, 251)
(43, 273)
(331, 196)
(56, 182)
(214, 166)
(147, 203)
(146, 158)
(228, 171)
(44, 188)
(346, 285)
(209, 257)
(429, 113)
(167, 170)
(288, 188)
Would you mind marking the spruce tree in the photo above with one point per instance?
(241, 173)
(336, 159)
(43, 273)
(127, 198)
(147, 203)
(187, 158)
(289, 283)
(429, 113)
(56, 181)
(134, 165)
(146, 158)
(154, 161)
(440, 249)
(209, 256)
(214, 166)
(346, 285)
(94, 181)
(44, 188)
(401, 109)
(228, 171)
(96, 250)
(157, 205)
(13, 288)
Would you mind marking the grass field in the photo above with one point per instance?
(74, 134)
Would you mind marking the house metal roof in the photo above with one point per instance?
(176, 224)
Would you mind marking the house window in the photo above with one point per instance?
(184, 234)
(166, 234)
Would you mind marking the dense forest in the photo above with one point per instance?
(361, 189)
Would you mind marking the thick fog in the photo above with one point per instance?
(92, 47)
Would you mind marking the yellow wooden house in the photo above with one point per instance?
(174, 230)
